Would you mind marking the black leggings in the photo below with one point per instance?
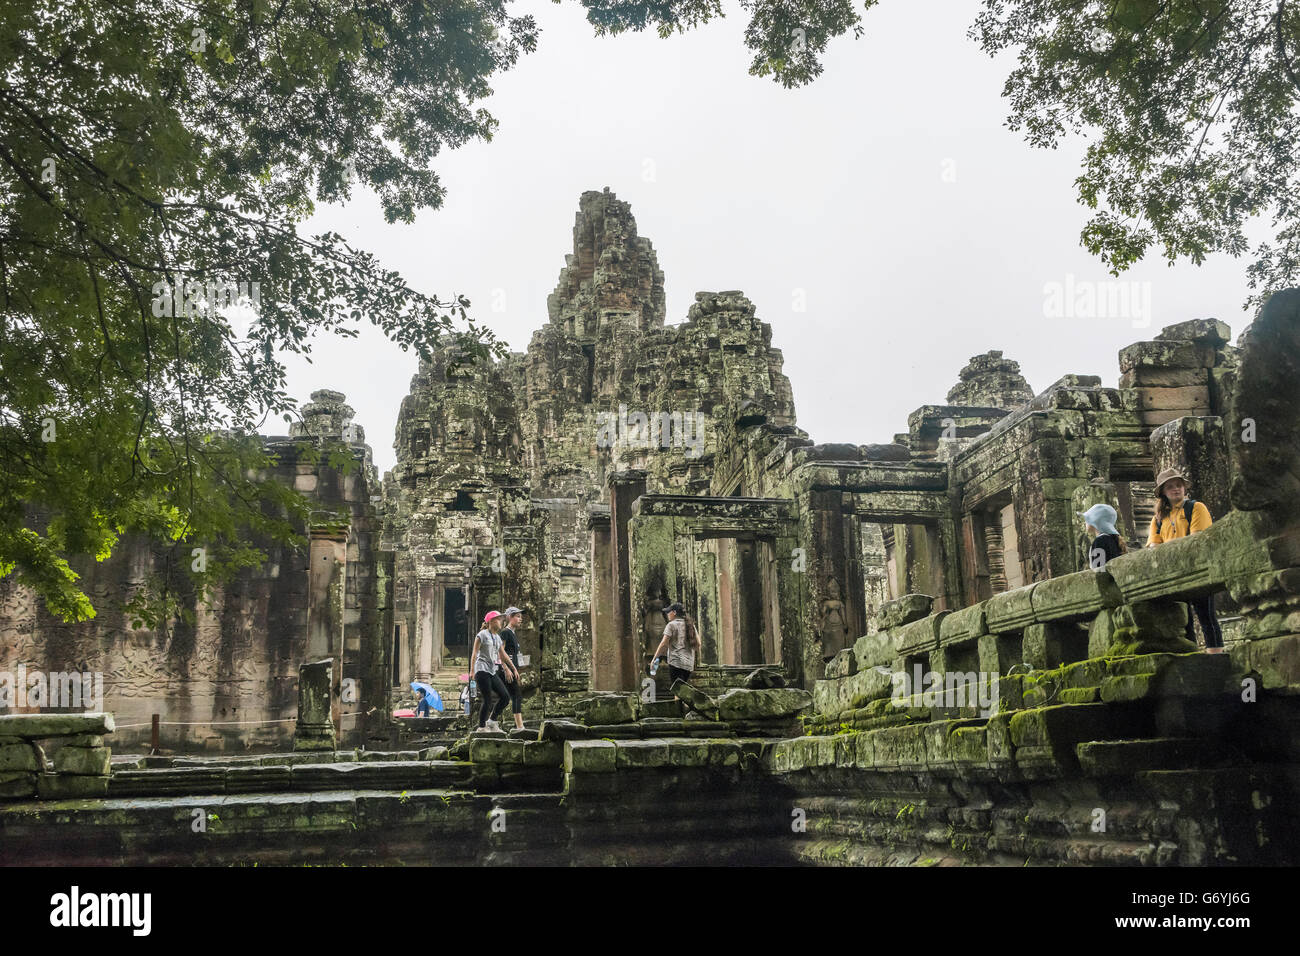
(516, 695)
(1204, 608)
(489, 684)
(676, 673)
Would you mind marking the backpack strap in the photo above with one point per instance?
(1188, 505)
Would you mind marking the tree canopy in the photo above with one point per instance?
(1189, 108)
(156, 161)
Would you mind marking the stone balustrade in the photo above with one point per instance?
(1134, 606)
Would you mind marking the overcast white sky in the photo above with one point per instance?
(887, 198)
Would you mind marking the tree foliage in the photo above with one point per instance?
(1189, 108)
(156, 162)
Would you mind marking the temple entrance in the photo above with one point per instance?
(455, 624)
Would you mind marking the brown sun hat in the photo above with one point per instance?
(1169, 474)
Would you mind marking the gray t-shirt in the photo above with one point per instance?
(489, 651)
(681, 653)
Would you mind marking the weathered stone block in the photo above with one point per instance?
(724, 753)
(50, 786)
(696, 699)
(1210, 332)
(967, 624)
(17, 785)
(561, 730)
(904, 610)
(1011, 610)
(1143, 376)
(89, 761)
(607, 708)
(496, 750)
(740, 703)
(1162, 399)
(639, 754)
(921, 636)
(843, 664)
(1075, 596)
(590, 756)
(1054, 643)
(850, 693)
(54, 725)
(1275, 661)
(764, 677)
(543, 753)
(874, 649)
(1165, 355)
(18, 756)
(901, 748)
(691, 753)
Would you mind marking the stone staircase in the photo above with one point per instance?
(446, 681)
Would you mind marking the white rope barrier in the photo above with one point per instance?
(207, 723)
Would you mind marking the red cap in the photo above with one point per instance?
(490, 615)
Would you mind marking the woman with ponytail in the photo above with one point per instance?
(682, 642)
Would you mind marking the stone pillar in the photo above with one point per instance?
(606, 665)
(625, 487)
(315, 727)
(325, 591)
(426, 654)
(1197, 447)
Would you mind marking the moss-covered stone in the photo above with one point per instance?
(590, 756)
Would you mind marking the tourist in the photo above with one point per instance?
(681, 641)
(422, 706)
(1107, 542)
(488, 654)
(1177, 516)
(514, 617)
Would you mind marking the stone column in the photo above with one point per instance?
(424, 636)
(606, 664)
(625, 487)
(315, 727)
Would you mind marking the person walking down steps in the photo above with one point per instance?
(681, 641)
(489, 657)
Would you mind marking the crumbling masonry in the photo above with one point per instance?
(620, 464)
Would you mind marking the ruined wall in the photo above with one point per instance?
(229, 680)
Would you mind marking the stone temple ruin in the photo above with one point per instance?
(621, 463)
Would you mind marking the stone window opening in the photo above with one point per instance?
(464, 501)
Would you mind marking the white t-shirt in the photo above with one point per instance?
(489, 651)
(681, 653)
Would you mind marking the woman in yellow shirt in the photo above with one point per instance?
(1177, 516)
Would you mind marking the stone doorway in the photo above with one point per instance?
(455, 622)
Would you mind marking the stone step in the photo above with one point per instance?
(365, 775)
(663, 708)
(1103, 758)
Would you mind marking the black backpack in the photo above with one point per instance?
(1188, 505)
